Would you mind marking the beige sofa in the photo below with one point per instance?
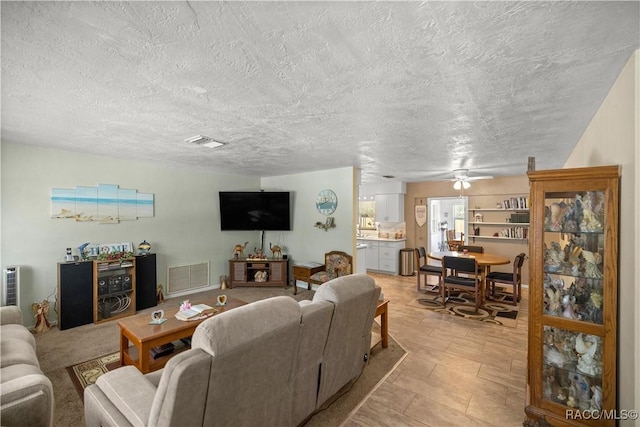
(273, 363)
(26, 394)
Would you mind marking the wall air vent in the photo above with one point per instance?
(187, 277)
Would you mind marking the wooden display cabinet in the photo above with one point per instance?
(258, 272)
(573, 259)
(114, 289)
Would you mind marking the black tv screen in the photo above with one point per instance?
(255, 210)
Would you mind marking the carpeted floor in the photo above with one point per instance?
(58, 350)
(499, 311)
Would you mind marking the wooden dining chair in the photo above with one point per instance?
(452, 267)
(513, 279)
(452, 241)
(424, 269)
(475, 249)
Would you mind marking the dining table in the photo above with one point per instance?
(484, 260)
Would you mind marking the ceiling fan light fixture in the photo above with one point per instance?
(458, 184)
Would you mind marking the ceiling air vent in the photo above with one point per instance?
(205, 141)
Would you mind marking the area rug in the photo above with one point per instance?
(497, 311)
(86, 373)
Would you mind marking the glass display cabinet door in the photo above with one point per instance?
(573, 296)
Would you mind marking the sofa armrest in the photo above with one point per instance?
(10, 314)
(130, 392)
(26, 396)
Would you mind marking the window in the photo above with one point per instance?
(367, 217)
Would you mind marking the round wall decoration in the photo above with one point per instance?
(326, 202)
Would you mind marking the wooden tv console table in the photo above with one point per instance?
(245, 271)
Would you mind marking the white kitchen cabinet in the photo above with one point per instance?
(361, 265)
(383, 256)
(389, 256)
(372, 254)
(390, 208)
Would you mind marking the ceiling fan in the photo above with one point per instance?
(461, 179)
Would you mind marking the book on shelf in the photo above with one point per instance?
(195, 312)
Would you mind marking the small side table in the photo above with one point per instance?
(383, 311)
(303, 272)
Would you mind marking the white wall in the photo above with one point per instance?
(184, 230)
(307, 242)
(613, 137)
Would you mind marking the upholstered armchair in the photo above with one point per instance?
(336, 264)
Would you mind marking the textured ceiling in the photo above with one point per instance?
(408, 89)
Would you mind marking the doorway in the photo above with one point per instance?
(446, 213)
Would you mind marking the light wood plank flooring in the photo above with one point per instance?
(457, 372)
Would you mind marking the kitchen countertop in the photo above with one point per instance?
(381, 239)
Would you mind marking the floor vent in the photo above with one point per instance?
(11, 286)
(187, 277)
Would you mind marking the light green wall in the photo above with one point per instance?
(184, 230)
(306, 242)
(612, 138)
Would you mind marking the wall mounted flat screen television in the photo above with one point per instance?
(255, 210)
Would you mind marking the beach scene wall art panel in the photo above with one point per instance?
(63, 203)
(86, 203)
(127, 204)
(145, 205)
(105, 203)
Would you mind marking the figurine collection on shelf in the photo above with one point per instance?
(580, 300)
(573, 273)
(584, 213)
(572, 369)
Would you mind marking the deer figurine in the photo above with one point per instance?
(275, 250)
(238, 250)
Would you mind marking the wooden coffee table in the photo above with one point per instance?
(138, 337)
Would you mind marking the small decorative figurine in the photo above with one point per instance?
(261, 276)
(258, 253)
(159, 294)
(144, 248)
(275, 250)
(224, 280)
(590, 206)
(186, 305)
(557, 211)
(586, 350)
(238, 250)
(596, 399)
(41, 310)
(592, 260)
(553, 257)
